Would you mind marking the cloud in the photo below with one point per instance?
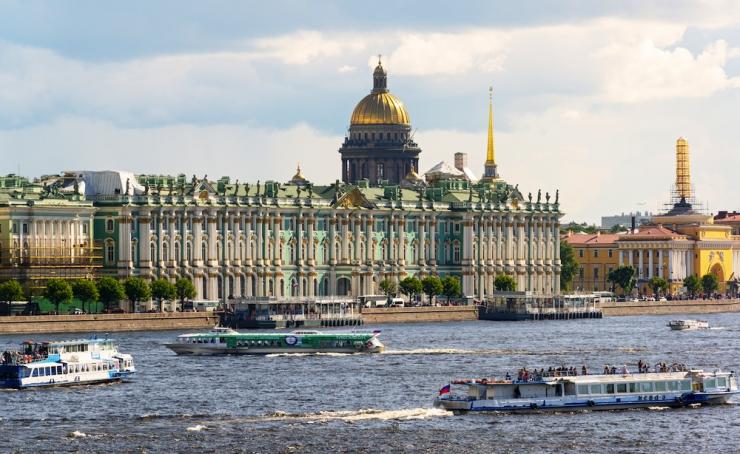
(304, 47)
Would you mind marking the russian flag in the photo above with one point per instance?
(445, 390)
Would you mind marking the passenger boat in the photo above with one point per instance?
(226, 341)
(590, 392)
(683, 325)
(73, 362)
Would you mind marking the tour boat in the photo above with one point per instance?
(73, 362)
(682, 325)
(226, 341)
(590, 392)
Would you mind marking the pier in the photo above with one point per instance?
(292, 312)
(508, 306)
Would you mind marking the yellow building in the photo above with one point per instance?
(674, 245)
(597, 255)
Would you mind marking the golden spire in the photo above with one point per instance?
(683, 175)
(490, 158)
(298, 177)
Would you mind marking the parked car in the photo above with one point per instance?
(77, 311)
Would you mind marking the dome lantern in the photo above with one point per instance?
(380, 107)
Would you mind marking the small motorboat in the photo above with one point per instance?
(684, 325)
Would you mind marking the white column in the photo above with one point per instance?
(650, 263)
(631, 257)
(640, 271)
(670, 264)
(422, 236)
(621, 257)
(660, 263)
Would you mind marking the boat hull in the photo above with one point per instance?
(215, 350)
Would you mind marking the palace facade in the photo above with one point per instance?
(296, 238)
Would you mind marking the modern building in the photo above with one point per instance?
(625, 220)
(379, 221)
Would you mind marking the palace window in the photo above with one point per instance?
(165, 223)
(204, 223)
(381, 171)
(165, 252)
(457, 253)
(25, 228)
(152, 252)
(580, 253)
(596, 273)
(188, 252)
(580, 273)
(609, 253)
(84, 228)
(152, 223)
(596, 253)
(204, 251)
(205, 287)
(110, 253)
(108, 225)
(177, 252)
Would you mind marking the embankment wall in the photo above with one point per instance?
(669, 307)
(419, 314)
(106, 322)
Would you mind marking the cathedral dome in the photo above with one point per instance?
(380, 107)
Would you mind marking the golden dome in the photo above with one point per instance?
(380, 107)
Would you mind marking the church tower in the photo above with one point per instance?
(379, 146)
(490, 172)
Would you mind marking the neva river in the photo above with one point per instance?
(376, 403)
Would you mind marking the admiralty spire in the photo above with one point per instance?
(378, 146)
(490, 172)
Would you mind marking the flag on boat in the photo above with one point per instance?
(445, 390)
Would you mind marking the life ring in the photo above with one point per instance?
(291, 340)
(590, 403)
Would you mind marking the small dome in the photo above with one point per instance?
(380, 107)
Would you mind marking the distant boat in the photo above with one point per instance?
(73, 362)
(684, 325)
(590, 392)
(226, 341)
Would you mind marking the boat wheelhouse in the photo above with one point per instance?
(590, 392)
(71, 362)
(686, 325)
(225, 341)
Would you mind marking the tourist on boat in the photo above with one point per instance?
(606, 369)
(584, 371)
(625, 371)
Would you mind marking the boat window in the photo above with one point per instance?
(647, 387)
(610, 388)
(711, 383)
(721, 382)
(59, 370)
(633, 387)
(223, 340)
(582, 389)
(621, 387)
(35, 373)
(659, 386)
(596, 389)
(673, 385)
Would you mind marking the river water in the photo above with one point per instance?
(376, 403)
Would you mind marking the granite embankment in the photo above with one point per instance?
(419, 314)
(670, 307)
(106, 322)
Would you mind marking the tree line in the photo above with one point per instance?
(106, 290)
(432, 286)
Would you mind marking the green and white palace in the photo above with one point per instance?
(291, 238)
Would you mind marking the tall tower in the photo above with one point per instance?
(490, 172)
(683, 174)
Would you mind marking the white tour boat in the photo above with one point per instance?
(73, 362)
(226, 341)
(590, 392)
(682, 325)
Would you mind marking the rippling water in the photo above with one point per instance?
(371, 403)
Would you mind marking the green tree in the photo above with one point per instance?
(658, 285)
(388, 287)
(137, 289)
(709, 284)
(162, 289)
(111, 291)
(10, 291)
(185, 290)
(410, 286)
(59, 292)
(692, 285)
(568, 264)
(86, 291)
(504, 283)
(624, 277)
(451, 287)
(431, 286)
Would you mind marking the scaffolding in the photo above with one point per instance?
(33, 266)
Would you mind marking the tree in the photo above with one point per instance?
(185, 290)
(10, 291)
(568, 264)
(162, 289)
(137, 289)
(504, 283)
(432, 286)
(410, 286)
(388, 287)
(111, 291)
(451, 287)
(709, 284)
(692, 285)
(658, 285)
(59, 292)
(624, 277)
(86, 291)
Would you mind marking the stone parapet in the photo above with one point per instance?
(419, 314)
(669, 307)
(106, 322)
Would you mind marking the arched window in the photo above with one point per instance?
(135, 251)
(305, 287)
(350, 250)
(282, 287)
(205, 287)
(152, 252)
(324, 253)
(165, 252)
(109, 225)
(336, 251)
(204, 251)
(177, 252)
(220, 287)
(219, 255)
(456, 253)
(242, 285)
(110, 252)
(188, 252)
(230, 293)
(241, 250)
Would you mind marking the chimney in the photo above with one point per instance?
(633, 224)
(461, 161)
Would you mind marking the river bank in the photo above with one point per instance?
(30, 324)
(627, 308)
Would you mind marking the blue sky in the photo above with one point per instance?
(589, 97)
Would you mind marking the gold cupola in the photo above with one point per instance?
(380, 107)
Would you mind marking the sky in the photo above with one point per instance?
(589, 97)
